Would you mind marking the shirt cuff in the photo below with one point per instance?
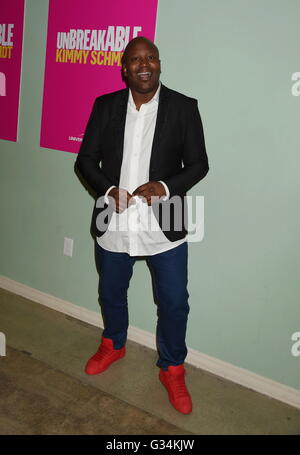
(106, 200)
(164, 198)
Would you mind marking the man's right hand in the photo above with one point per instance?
(121, 199)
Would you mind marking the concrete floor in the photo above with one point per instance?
(44, 390)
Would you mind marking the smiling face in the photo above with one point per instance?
(141, 66)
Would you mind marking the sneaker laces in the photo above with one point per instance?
(103, 352)
(178, 385)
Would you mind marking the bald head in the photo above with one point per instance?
(141, 67)
(137, 40)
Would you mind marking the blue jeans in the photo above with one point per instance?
(169, 279)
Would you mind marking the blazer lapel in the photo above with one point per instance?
(161, 118)
(119, 120)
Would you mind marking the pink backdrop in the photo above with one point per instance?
(11, 40)
(87, 63)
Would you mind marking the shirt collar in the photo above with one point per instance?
(154, 98)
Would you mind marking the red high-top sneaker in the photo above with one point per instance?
(105, 356)
(173, 380)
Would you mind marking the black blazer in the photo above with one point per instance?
(178, 155)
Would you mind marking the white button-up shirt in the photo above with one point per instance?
(136, 230)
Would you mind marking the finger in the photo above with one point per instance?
(143, 198)
(140, 188)
(122, 207)
(131, 202)
(123, 200)
(118, 205)
(154, 199)
(143, 193)
(147, 199)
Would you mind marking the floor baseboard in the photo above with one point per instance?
(216, 366)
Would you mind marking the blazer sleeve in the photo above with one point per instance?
(90, 153)
(194, 157)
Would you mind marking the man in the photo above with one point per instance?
(141, 136)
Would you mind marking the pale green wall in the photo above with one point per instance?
(236, 57)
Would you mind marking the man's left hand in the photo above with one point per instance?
(151, 191)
